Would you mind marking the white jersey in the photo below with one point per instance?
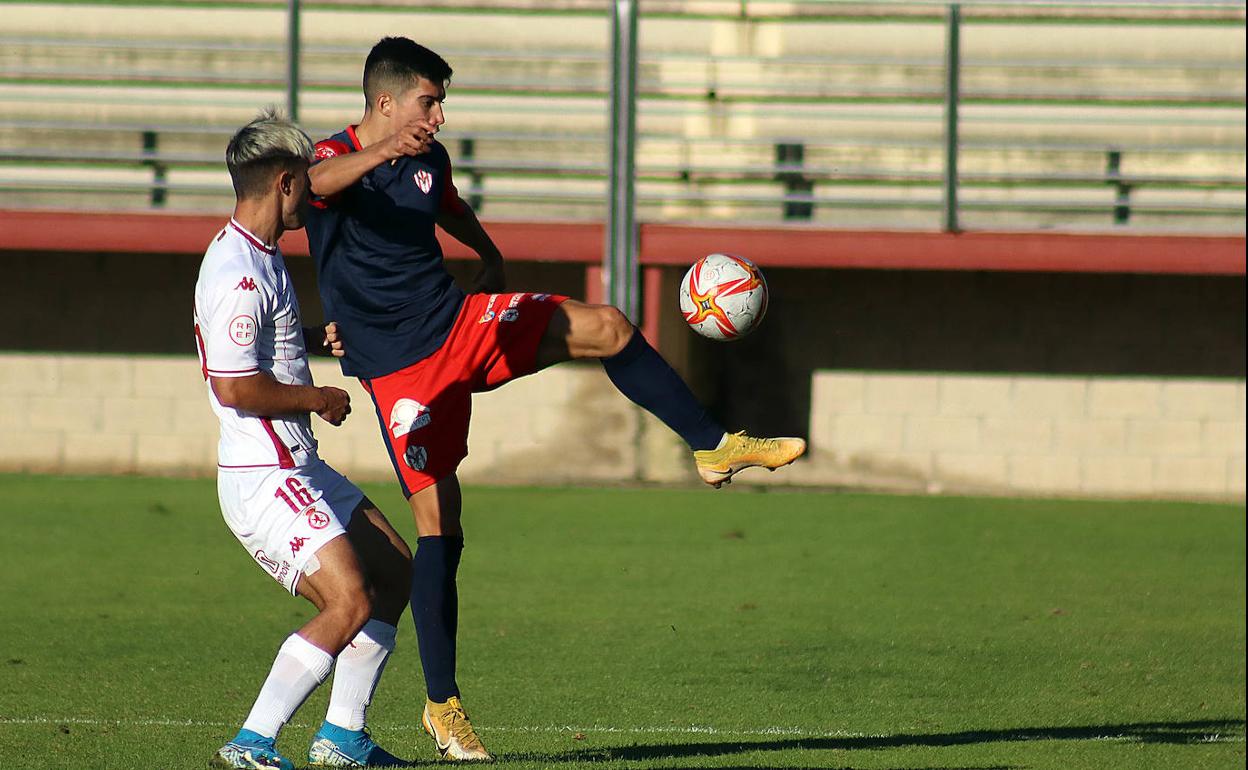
(247, 321)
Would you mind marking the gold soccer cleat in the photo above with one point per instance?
(451, 731)
(739, 451)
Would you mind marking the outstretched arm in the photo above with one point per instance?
(334, 173)
(461, 223)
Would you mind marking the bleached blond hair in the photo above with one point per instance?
(268, 144)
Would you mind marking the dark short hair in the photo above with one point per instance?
(268, 145)
(395, 63)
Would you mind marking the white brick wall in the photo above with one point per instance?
(1122, 437)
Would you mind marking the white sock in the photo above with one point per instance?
(359, 669)
(299, 668)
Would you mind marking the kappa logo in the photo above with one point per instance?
(243, 330)
(247, 284)
(424, 180)
(317, 519)
(297, 543)
(408, 415)
(416, 457)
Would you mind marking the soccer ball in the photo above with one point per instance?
(723, 296)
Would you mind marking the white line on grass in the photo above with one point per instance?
(795, 732)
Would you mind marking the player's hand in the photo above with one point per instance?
(412, 139)
(332, 341)
(337, 405)
(491, 279)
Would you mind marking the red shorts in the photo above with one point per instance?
(424, 409)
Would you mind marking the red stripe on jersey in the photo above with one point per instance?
(355, 140)
(253, 239)
(252, 370)
(284, 460)
(203, 352)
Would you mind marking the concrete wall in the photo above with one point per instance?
(1005, 434)
(1029, 435)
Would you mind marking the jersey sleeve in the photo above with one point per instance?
(326, 149)
(451, 203)
(236, 305)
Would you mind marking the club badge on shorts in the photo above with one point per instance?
(416, 457)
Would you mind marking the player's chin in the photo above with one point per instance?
(295, 218)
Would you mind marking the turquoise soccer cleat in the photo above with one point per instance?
(250, 751)
(334, 746)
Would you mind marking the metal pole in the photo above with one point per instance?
(292, 59)
(620, 257)
(952, 56)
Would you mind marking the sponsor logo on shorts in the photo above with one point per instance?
(424, 180)
(516, 299)
(416, 457)
(509, 315)
(243, 330)
(317, 519)
(297, 543)
(266, 562)
(489, 313)
(408, 415)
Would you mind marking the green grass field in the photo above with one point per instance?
(640, 628)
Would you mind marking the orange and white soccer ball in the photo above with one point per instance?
(723, 296)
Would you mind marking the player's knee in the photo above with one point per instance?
(616, 330)
(351, 607)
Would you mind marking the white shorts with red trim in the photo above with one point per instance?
(283, 516)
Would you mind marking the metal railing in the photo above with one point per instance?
(791, 174)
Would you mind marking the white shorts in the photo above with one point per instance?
(283, 516)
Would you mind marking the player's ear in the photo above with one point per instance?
(385, 104)
(286, 182)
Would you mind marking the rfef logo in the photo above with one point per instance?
(243, 330)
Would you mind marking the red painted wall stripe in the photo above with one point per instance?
(577, 242)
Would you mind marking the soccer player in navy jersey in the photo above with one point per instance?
(421, 346)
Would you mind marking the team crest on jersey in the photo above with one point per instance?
(324, 151)
(408, 415)
(317, 519)
(424, 180)
(243, 330)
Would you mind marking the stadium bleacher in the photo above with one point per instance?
(828, 113)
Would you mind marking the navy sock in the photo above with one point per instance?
(435, 610)
(650, 382)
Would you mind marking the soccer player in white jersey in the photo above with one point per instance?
(305, 524)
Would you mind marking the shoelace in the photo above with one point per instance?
(461, 728)
(754, 443)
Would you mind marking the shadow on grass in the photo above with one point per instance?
(1138, 732)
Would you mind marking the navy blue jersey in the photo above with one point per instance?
(378, 262)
